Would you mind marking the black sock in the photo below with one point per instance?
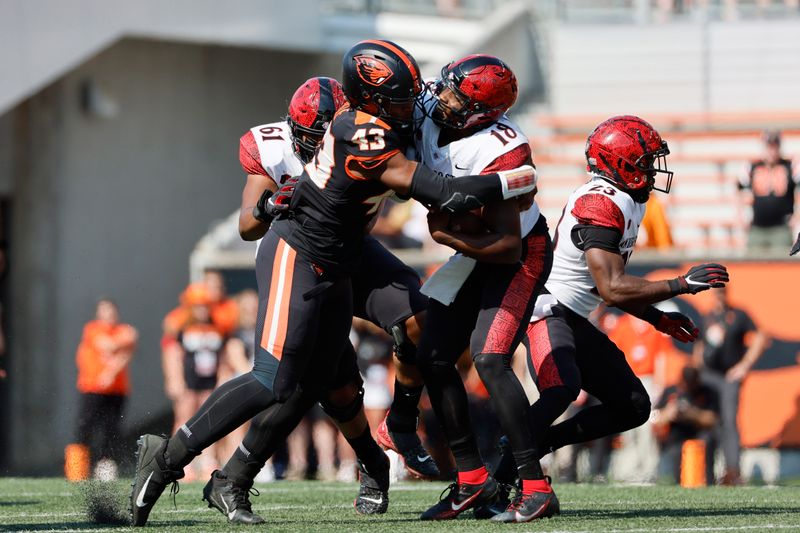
(242, 468)
(368, 451)
(228, 407)
(528, 465)
(466, 454)
(450, 403)
(268, 429)
(405, 408)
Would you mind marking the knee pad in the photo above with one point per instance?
(490, 364)
(404, 348)
(640, 407)
(344, 404)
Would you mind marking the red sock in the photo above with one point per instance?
(529, 486)
(473, 477)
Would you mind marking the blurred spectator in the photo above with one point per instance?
(105, 350)
(771, 183)
(315, 428)
(688, 410)
(224, 310)
(729, 346)
(644, 349)
(656, 226)
(389, 227)
(237, 359)
(191, 364)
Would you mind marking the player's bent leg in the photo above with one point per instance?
(398, 431)
(607, 376)
(229, 490)
(160, 461)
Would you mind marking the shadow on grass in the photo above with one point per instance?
(599, 514)
(4, 503)
(50, 526)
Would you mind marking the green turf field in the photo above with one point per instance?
(55, 505)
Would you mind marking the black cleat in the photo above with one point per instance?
(230, 499)
(527, 507)
(499, 505)
(418, 461)
(373, 494)
(462, 497)
(151, 478)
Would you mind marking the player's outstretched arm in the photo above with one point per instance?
(415, 180)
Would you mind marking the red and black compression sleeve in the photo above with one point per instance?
(521, 155)
(600, 223)
(249, 157)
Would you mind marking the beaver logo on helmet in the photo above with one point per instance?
(372, 70)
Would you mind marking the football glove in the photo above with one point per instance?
(700, 278)
(271, 204)
(678, 326)
(796, 247)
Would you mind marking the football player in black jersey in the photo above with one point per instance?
(304, 267)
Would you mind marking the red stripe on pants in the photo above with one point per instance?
(542, 356)
(506, 322)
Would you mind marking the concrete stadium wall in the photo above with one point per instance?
(113, 206)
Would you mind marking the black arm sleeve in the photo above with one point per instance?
(585, 237)
(454, 195)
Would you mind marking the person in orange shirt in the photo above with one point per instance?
(106, 349)
(656, 226)
(191, 363)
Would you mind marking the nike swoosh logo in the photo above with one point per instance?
(461, 505)
(423, 458)
(373, 500)
(461, 168)
(140, 498)
(525, 518)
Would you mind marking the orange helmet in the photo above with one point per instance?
(196, 294)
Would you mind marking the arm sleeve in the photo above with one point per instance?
(521, 155)
(587, 237)
(249, 157)
(600, 223)
(468, 192)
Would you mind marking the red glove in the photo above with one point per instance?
(271, 204)
(678, 326)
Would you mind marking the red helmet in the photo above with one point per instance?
(484, 85)
(310, 111)
(625, 150)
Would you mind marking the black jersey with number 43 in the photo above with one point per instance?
(332, 208)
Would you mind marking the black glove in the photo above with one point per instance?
(271, 204)
(796, 247)
(700, 278)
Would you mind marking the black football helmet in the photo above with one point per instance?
(382, 79)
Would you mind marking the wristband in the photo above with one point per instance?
(652, 315)
(675, 286)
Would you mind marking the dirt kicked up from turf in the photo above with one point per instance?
(103, 503)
